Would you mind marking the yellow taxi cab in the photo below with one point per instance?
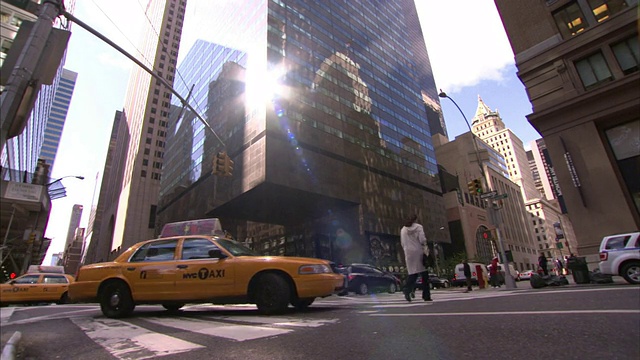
(41, 284)
(194, 262)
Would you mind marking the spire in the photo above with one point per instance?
(483, 109)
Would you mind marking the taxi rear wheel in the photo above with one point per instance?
(272, 294)
(115, 300)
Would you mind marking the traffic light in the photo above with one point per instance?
(228, 166)
(12, 276)
(487, 235)
(475, 187)
(222, 164)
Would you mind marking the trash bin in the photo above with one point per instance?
(579, 269)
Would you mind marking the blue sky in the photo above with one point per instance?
(469, 52)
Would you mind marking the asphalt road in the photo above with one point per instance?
(572, 322)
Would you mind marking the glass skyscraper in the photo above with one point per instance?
(327, 110)
(57, 117)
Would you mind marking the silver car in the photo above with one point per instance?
(620, 255)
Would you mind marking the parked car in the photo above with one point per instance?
(620, 255)
(194, 262)
(364, 279)
(526, 275)
(435, 282)
(460, 280)
(41, 284)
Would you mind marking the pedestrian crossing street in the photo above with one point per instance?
(139, 338)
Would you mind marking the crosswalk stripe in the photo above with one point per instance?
(5, 314)
(127, 341)
(280, 321)
(219, 329)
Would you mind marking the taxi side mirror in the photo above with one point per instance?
(217, 253)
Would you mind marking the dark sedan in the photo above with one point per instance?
(364, 279)
(434, 281)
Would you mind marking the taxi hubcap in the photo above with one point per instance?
(114, 300)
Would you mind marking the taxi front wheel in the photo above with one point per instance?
(115, 300)
(272, 294)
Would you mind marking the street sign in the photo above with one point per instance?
(490, 194)
(501, 196)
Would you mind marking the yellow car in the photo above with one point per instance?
(184, 267)
(36, 287)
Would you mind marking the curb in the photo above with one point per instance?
(9, 350)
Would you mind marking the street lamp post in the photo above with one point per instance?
(494, 215)
(64, 177)
(55, 188)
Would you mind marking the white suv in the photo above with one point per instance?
(620, 255)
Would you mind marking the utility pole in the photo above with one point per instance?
(494, 215)
(22, 88)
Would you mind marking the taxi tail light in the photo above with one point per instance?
(604, 256)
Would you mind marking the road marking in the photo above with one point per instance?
(61, 315)
(279, 321)
(126, 341)
(5, 314)
(491, 313)
(219, 329)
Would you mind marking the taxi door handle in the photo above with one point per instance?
(183, 266)
(131, 268)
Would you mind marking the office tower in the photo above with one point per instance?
(74, 223)
(321, 113)
(21, 152)
(488, 126)
(578, 60)
(73, 252)
(145, 113)
(533, 167)
(467, 213)
(19, 157)
(99, 235)
(57, 117)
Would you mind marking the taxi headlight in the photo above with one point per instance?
(314, 269)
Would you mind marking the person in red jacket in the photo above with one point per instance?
(493, 273)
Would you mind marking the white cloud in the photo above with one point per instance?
(465, 40)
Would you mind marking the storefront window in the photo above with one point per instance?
(625, 143)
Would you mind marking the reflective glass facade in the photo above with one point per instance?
(57, 117)
(321, 106)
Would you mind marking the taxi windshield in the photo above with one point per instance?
(236, 248)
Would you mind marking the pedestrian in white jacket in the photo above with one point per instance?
(414, 244)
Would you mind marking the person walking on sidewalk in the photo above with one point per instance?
(467, 274)
(414, 244)
(493, 271)
(542, 262)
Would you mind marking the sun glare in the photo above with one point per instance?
(265, 86)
